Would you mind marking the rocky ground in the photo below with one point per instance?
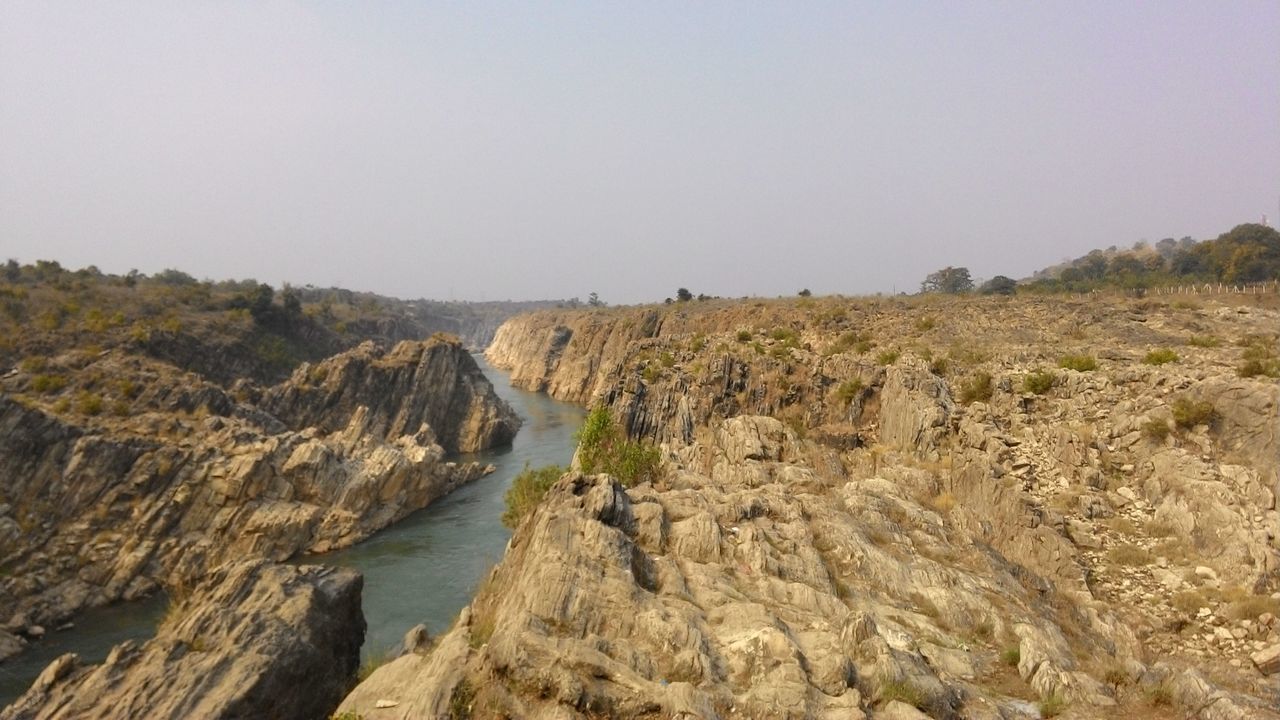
(888, 508)
(137, 475)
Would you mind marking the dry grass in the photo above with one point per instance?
(1129, 554)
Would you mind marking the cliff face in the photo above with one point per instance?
(912, 527)
(101, 507)
(252, 640)
(416, 383)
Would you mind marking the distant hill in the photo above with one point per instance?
(1247, 253)
(222, 330)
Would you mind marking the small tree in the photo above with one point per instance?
(683, 295)
(999, 285)
(594, 300)
(805, 293)
(953, 280)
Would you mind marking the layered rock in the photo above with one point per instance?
(416, 383)
(1115, 555)
(769, 584)
(105, 507)
(251, 640)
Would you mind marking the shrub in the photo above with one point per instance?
(977, 388)
(697, 343)
(887, 357)
(1011, 656)
(1259, 359)
(848, 390)
(33, 364)
(926, 323)
(1204, 341)
(939, 366)
(48, 383)
(857, 342)
(527, 490)
(88, 403)
(1156, 429)
(1160, 695)
(1188, 413)
(1253, 606)
(905, 692)
(1038, 382)
(1161, 356)
(603, 448)
(1080, 363)
(1052, 706)
(744, 335)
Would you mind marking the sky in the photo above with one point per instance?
(528, 150)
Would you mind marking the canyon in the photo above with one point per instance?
(888, 508)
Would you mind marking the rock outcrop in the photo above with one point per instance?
(416, 383)
(916, 525)
(95, 508)
(251, 640)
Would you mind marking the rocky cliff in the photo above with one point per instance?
(251, 640)
(936, 519)
(415, 384)
(180, 476)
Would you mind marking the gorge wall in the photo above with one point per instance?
(888, 508)
(178, 476)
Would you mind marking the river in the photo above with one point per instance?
(423, 569)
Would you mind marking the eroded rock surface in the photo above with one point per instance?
(253, 640)
(915, 525)
(110, 506)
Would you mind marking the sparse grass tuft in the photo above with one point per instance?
(1079, 363)
(903, 691)
(1203, 341)
(1128, 554)
(1052, 706)
(1011, 656)
(1252, 607)
(1188, 601)
(887, 357)
(1161, 356)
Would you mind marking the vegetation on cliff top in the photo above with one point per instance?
(235, 327)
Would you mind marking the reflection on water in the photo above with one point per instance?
(424, 569)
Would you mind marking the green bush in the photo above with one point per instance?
(1188, 413)
(1038, 382)
(977, 388)
(744, 336)
(848, 390)
(1080, 363)
(1160, 357)
(604, 448)
(1204, 341)
(667, 360)
(527, 490)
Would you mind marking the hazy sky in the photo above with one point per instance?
(531, 150)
